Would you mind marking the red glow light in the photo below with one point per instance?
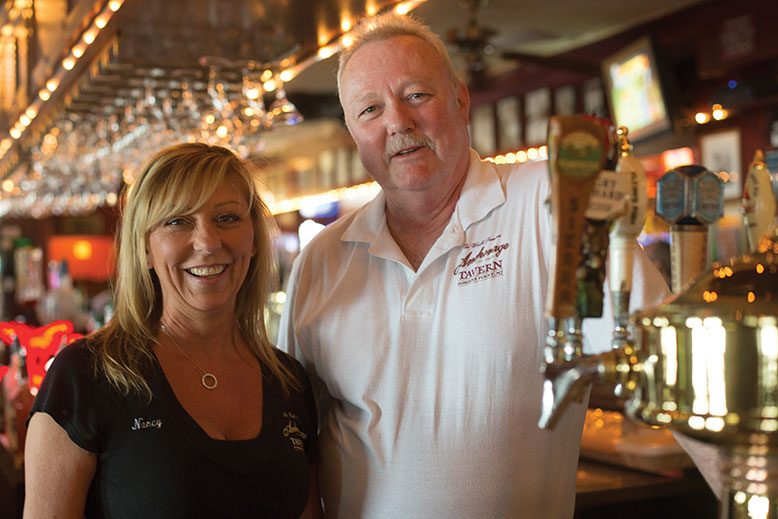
(40, 343)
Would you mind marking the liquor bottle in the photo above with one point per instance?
(22, 377)
(11, 389)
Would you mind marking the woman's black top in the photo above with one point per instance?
(154, 460)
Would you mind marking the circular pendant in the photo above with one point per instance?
(209, 381)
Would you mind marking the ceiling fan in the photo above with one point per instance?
(473, 43)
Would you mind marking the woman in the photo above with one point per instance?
(179, 407)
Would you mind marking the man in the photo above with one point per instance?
(420, 316)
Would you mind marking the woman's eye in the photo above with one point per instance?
(227, 218)
(175, 221)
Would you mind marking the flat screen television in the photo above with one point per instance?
(637, 92)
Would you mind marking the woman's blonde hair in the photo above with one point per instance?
(179, 180)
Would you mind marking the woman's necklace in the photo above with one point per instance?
(208, 380)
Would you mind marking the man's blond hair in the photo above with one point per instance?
(391, 25)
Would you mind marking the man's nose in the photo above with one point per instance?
(206, 238)
(399, 119)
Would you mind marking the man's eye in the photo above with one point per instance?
(368, 110)
(417, 95)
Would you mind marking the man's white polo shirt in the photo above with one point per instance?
(434, 374)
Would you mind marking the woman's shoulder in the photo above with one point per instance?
(77, 356)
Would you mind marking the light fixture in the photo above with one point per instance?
(68, 63)
(78, 49)
(346, 40)
(287, 75)
(327, 51)
(90, 35)
(718, 112)
(270, 85)
(102, 20)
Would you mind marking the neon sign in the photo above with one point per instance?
(40, 343)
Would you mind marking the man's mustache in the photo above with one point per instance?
(405, 141)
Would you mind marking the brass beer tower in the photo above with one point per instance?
(705, 361)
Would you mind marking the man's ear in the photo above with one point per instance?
(463, 101)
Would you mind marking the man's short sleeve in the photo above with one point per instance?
(69, 394)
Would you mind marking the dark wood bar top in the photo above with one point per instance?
(607, 491)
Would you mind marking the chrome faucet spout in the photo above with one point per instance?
(568, 382)
(565, 382)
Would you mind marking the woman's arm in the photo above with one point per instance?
(57, 471)
(313, 507)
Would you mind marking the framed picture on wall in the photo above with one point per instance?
(343, 169)
(594, 98)
(537, 108)
(327, 168)
(564, 100)
(508, 123)
(720, 153)
(358, 171)
(482, 132)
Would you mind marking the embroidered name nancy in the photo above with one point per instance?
(481, 260)
(292, 431)
(142, 423)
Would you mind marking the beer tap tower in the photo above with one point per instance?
(705, 361)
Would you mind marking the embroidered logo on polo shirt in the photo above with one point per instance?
(292, 431)
(142, 423)
(481, 260)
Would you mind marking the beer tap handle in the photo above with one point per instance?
(623, 236)
(577, 153)
(758, 202)
(689, 198)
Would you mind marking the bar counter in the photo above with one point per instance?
(608, 491)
